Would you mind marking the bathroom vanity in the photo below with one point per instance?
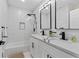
(54, 48)
(59, 15)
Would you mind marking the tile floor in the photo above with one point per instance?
(20, 55)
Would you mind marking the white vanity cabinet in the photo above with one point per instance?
(41, 49)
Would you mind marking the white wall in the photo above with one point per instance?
(3, 12)
(16, 36)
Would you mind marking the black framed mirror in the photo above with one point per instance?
(62, 15)
(45, 18)
(74, 14)
(67, 14)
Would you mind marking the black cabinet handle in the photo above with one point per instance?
(32, 44)
(48, 56)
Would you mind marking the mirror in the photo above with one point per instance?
(45, 17)
(62, 15)
(67, 14)
(74, 14)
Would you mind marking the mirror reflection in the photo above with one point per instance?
(45, 18)
(74, 14)
(67, 14)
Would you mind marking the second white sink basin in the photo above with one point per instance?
(51, 39)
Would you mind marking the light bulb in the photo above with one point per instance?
(22, 0)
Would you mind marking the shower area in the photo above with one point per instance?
(17, 23)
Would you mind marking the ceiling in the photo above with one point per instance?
(31, 5)
(25, 4)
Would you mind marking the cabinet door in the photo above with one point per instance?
(45, 50)
(41, 52)
(34, 47)
(40, 49)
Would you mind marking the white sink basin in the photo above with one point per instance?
(41, 37)
(51, 39)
